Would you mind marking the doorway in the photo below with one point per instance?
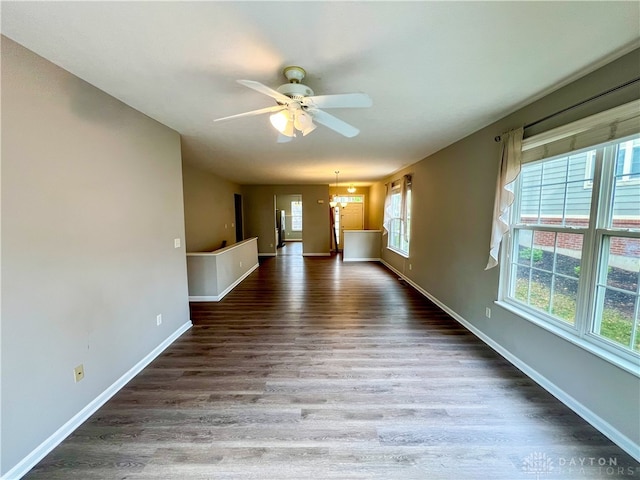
(237, 200)
(350, 217)
(289, 224)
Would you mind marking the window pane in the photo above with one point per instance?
(542, 251)
(395, 204)
(551, 204)
(635, 158)
(617, 321)
(565, 294)
(296, 216)
(554, 172)
(524, 242)
(617, 300)
(623, 263)
(547, 267)
(349, 198)
(522, 284)
(540, 295)
(394, 234)
(530, 205)
(620, 162)
(626, 197)
(568, 254)
(557, 191)
(579, 190)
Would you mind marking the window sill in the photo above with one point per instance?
(625, 364)
(398, 252)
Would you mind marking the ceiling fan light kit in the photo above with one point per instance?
(298, 107)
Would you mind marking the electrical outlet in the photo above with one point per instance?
(159, 319)
(410, 266)
(78, 373)
(176, 243)
(487, 312)
(240, 264)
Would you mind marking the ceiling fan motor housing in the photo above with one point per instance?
(293, 90)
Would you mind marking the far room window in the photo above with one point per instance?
(399, 216)
(296, 216)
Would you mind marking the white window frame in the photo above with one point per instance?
(591, 158)
(592, 260)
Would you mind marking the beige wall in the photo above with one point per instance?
(91, 205)
(209, 209)
(453, 193)
(259, 212)
(377, 193)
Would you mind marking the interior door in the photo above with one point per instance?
(351, 218)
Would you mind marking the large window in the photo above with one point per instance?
(399, 216)
(573, 255)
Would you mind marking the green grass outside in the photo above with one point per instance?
(615, 325)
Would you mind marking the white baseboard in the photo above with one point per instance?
(588, 415)
(316, 254)
(28, 462)
(360, 259)
(217, 298)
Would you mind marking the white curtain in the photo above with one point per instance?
(406, 183)
(386, 222)
(508, 171)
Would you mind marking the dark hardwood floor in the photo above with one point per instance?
(316, 369)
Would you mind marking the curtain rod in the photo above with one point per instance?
(579, 104)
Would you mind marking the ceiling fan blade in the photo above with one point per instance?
(334, 123)
(342, 100)
(259, 87)
(275, 108)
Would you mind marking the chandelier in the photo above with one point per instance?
(334, 199)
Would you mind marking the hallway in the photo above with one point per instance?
(290, 249)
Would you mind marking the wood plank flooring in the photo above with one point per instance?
(316, 369)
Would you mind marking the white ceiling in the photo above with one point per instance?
(436, 71)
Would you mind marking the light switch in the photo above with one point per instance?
(176, 243)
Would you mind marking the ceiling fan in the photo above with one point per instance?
(298, 107)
